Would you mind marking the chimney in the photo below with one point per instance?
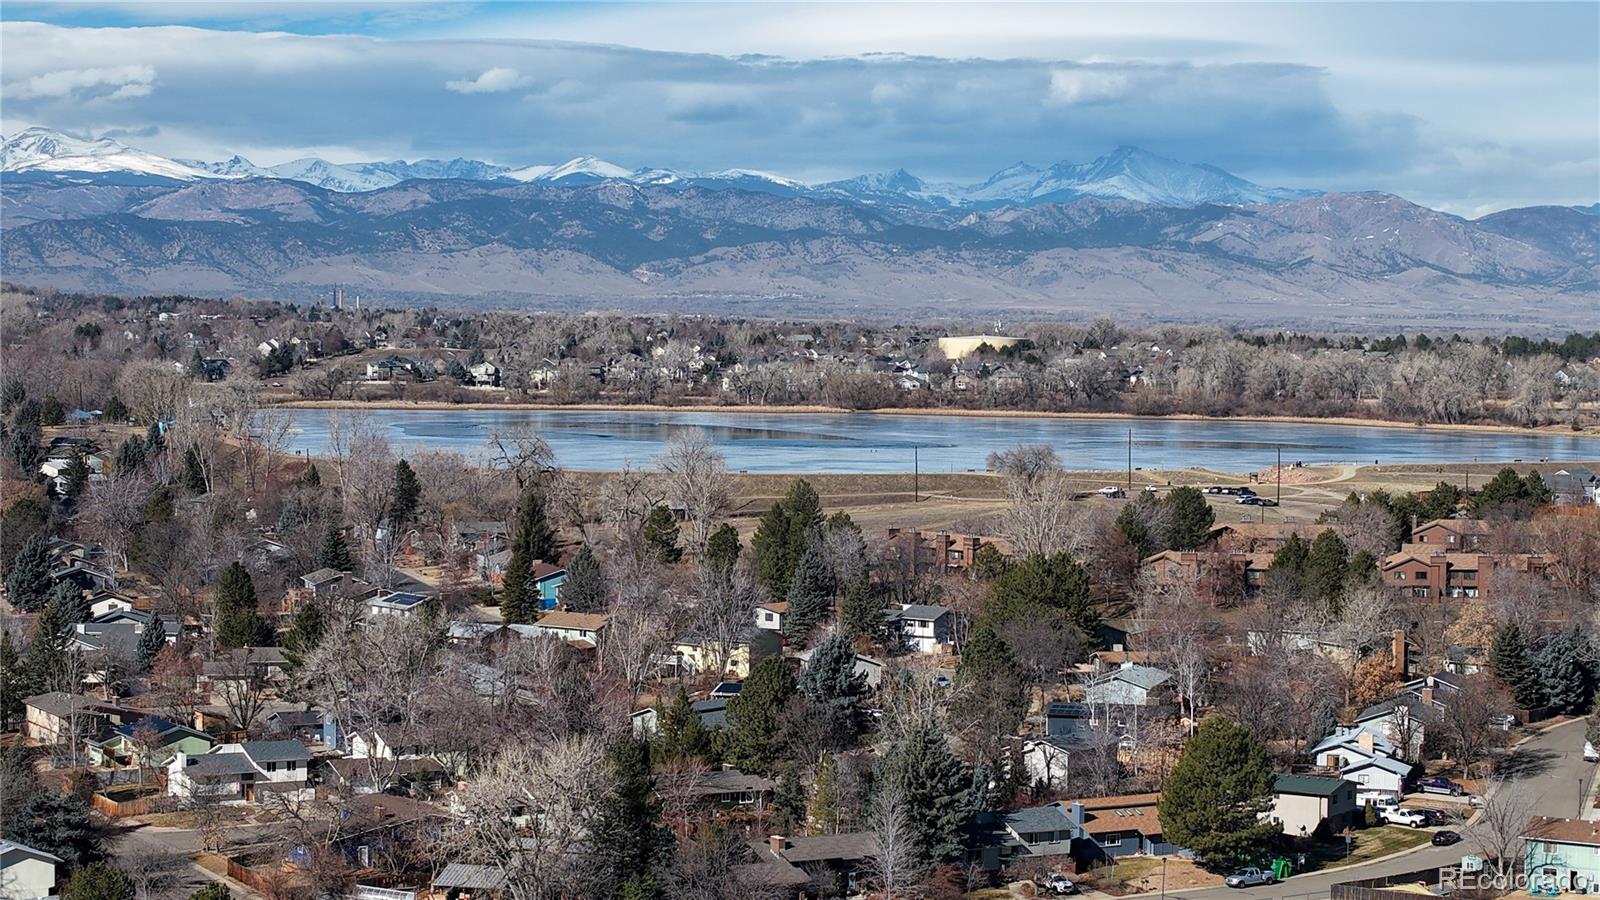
(1397, 652)
(1427, 696)
(1077, 812)
(1364, 741)
(778, 843)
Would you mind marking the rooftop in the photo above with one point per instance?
(1307, 785)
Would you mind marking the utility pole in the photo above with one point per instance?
(916, 475)
(1279, 496)
(1130, 462)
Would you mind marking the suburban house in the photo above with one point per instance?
(1120, 826)
(58, 717)
(713, 714)
(1048, 759)
(1216, 573)
(362, 775)
(1420, 573)
(1405, 716)
(306, 725)
(245, 772)
(1037, 831)
(769, 616)
(870, 670)
(798, 861)
(726, 788)
(547, 578)
(924, 629)
(1451, 535)
(26, 873)
(1067, 719)
(149, 742)
(384, 743)
(1366, 759)
(395, 603)
(694, 653)
(485, 374)
(572, 626)
(1562, 853)
(1305, 805)
(1260, 537)
(935, 552)
(244, 663)
(1574, 486)
(1129, 685)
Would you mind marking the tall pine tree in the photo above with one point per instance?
(810, 596)
(533, 540)
(238, 621)
(28, 581)
(627, 845)
(1513, 665)
(753, 716)
(152, 640)
(585, 587)
(935, 788)
(406, 497)
(661, 535)
(722, 549)
(334, 552)
(1214, 801)
(780, 539)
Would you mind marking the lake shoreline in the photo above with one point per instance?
(1346, 421)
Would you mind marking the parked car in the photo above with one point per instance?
(1437, 816)
(1590, 754)
(1251, 500)
(1250, 878)
(1474, 801)
(1061, 885)
(1214, 489)
(1267, 501)
(1445, 838)
(1439, 785)
(1401, 816)
(1380, 799)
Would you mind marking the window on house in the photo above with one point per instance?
(1399, 576)
(1111, 841)
(271, 767)
(291, 766)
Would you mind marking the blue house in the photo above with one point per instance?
(546, 577)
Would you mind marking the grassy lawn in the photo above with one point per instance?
(1369, 844)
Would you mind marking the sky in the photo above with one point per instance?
(1465, 107)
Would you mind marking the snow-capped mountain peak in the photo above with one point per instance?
(585, 167)
(44, 150)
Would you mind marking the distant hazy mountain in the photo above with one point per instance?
(1127, 173)
(746, 243)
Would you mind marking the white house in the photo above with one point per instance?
(485, 374)
(383, 743)
(571, 626)
(26, 873)
(245, 772)
(769, 616)
(924, 629)
(1367, 759)
(1047, 760)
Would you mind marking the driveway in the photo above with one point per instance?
(1549, 768)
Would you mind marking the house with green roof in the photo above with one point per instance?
(1306, 805)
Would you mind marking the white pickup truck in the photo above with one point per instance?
(1396, 815)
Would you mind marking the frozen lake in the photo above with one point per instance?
(867, 442)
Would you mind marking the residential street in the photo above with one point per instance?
(1549, 768)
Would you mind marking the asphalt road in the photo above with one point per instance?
(1548, 768)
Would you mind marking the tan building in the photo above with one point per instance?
(1418, 573)
(936, 552)
(1306, 804)
(1451, 535)
(957, 346)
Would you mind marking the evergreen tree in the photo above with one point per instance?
(310, 478)
(1512, 664)
(1189, 518)
(780, 539)
(46, 663)
(1053, 585)
(334, 552)
(58, 824)
(661, 535)
(406, 497)
(935, 789)
(1441, 502)
(533, 540)
(304, 634)
(13, 683)
(28, 581)
(988, 563)
(861, 614)
(810, 596)
(23, 447)
(722, 548)
(789, 802)
(680, 733)
(585, 588)
(114, 410)
(831, 678)
(1566, 671)
(626, 843)
(752, 716)
(130, 456)
(1534, 490)
(985, 656)
(194, 474)
(1214, 800)
(238, 621)
(1327, 564)
(99, 881)
(75, 478)
(1287, 572)
(70, 598)
(26, 518)
(152, 640)
(214, 890)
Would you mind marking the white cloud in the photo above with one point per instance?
(492, 81)
(129, 81)
(1069, 86)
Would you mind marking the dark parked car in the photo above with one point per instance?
(1445, 838)
(1437, 816)
(1439, 785)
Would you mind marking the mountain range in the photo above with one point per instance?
(1176, 242)
(1126, 173)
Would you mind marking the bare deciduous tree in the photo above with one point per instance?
(894, 861)
(694, 479)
